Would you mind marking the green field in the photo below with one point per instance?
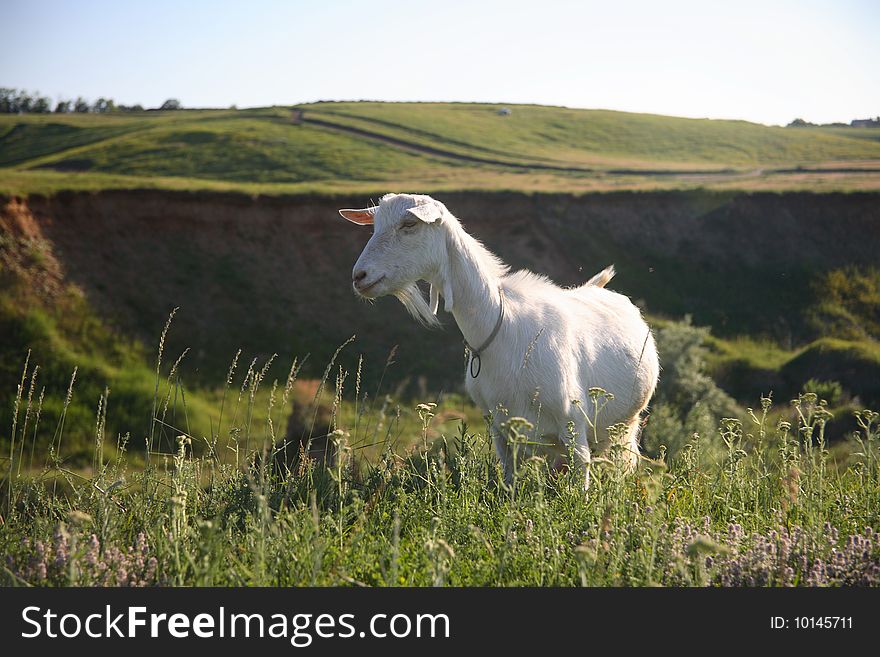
(598, 139)
(369, 147)
(760, 502)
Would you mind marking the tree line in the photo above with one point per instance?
(19, 101)
(855, 123)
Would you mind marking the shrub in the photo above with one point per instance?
(830, 391)
(687, 401)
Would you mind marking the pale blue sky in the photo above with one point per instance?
(767, 61)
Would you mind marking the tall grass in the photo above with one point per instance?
(395, 502)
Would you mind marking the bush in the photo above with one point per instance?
(831, 391)
(687, 400)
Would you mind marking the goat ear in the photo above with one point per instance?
(363, 217)
(434, 297)
(428, 212)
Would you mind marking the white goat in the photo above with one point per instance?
(536, 349)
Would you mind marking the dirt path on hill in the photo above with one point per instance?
(431, 150)
(711, 174)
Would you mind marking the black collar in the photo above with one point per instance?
(475, 353)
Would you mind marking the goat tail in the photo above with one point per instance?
(601, 279)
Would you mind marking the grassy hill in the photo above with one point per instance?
(247, 146)
(598, 139)
(371, 147)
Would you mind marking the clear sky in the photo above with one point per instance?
(768, 61)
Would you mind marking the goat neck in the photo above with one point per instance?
(472, 276)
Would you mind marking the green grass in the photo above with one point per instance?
(240, 149)
(600, 138)
(416, 498)
(754, 503)
(260, 151)
(24, 182)
(756, 352)
(28, 140)
(49, 344)
(68, 343)
(871, 134)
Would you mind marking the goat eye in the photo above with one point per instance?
(408, 224)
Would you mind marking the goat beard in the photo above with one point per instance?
(414, 301)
